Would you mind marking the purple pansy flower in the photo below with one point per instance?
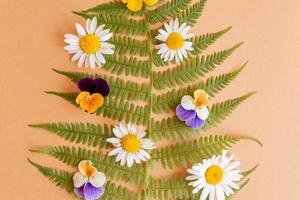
(92, 86)
(88, 182)
(194, 111)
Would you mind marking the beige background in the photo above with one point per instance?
(31, 43)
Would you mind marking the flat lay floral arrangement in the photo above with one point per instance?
(149, 40)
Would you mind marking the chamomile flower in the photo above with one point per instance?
(130, 145)
(90, 44)
(174, 44)
(215, 177)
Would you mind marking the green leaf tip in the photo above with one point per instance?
(253, 139)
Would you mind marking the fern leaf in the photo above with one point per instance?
(169, 100)
(192, 13)
(220, 111)
(118, 24)
(202, 42)
(113, 8)
(190, 70)
(127, 45)
(114, 192)
(64, 180)
(72, 156)
(123, 89)
(114, 109)
(194, 151)
(171, 9)
(60, 178)
(89, 134)
(175, 188)
(171, 128)
(128, 66)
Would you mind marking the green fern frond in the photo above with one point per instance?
(194, 151)
(123, 89)
(113, 8)
(114, 109)
(127, 45)
(192, 13)
(89, 134)
(171, 128)
(114, 192)
(202, 42)
(169, 100)
(175, 188)
(64, 180)
(128, 66)
(117, 23)
(171, 9)
(191, 69)
(119, 110)
(220, 111)
(68, 96)
(60, 178)
(72, 156)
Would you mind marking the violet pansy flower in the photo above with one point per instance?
(92, 86)
(88, 182)
(92, 93)
(194, 111)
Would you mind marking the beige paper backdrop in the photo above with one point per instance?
(31, 43)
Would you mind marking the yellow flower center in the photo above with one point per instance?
(214, 175)
(89, 43)
(175, 41)
(131, 143)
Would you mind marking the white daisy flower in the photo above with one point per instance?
(130, 145)
(90, 44)
(216, 177)
(174, 44)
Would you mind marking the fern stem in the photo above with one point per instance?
(148, 164)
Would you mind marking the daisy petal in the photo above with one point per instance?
(80, 29)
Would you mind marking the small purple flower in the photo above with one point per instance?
(194, 111)
(92, 86)
(88, 182)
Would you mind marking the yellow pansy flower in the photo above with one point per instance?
(89, 103)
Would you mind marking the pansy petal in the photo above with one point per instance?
(202, 112)
(87, 84)
(184, 114)
(98, 179)
(102, 87)
(79, 191)
(92, 193)
(86, 168)
(187, 102)
(201, 98)
(195, 123)
(79, 179)
(81, 96)
(91, 103)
